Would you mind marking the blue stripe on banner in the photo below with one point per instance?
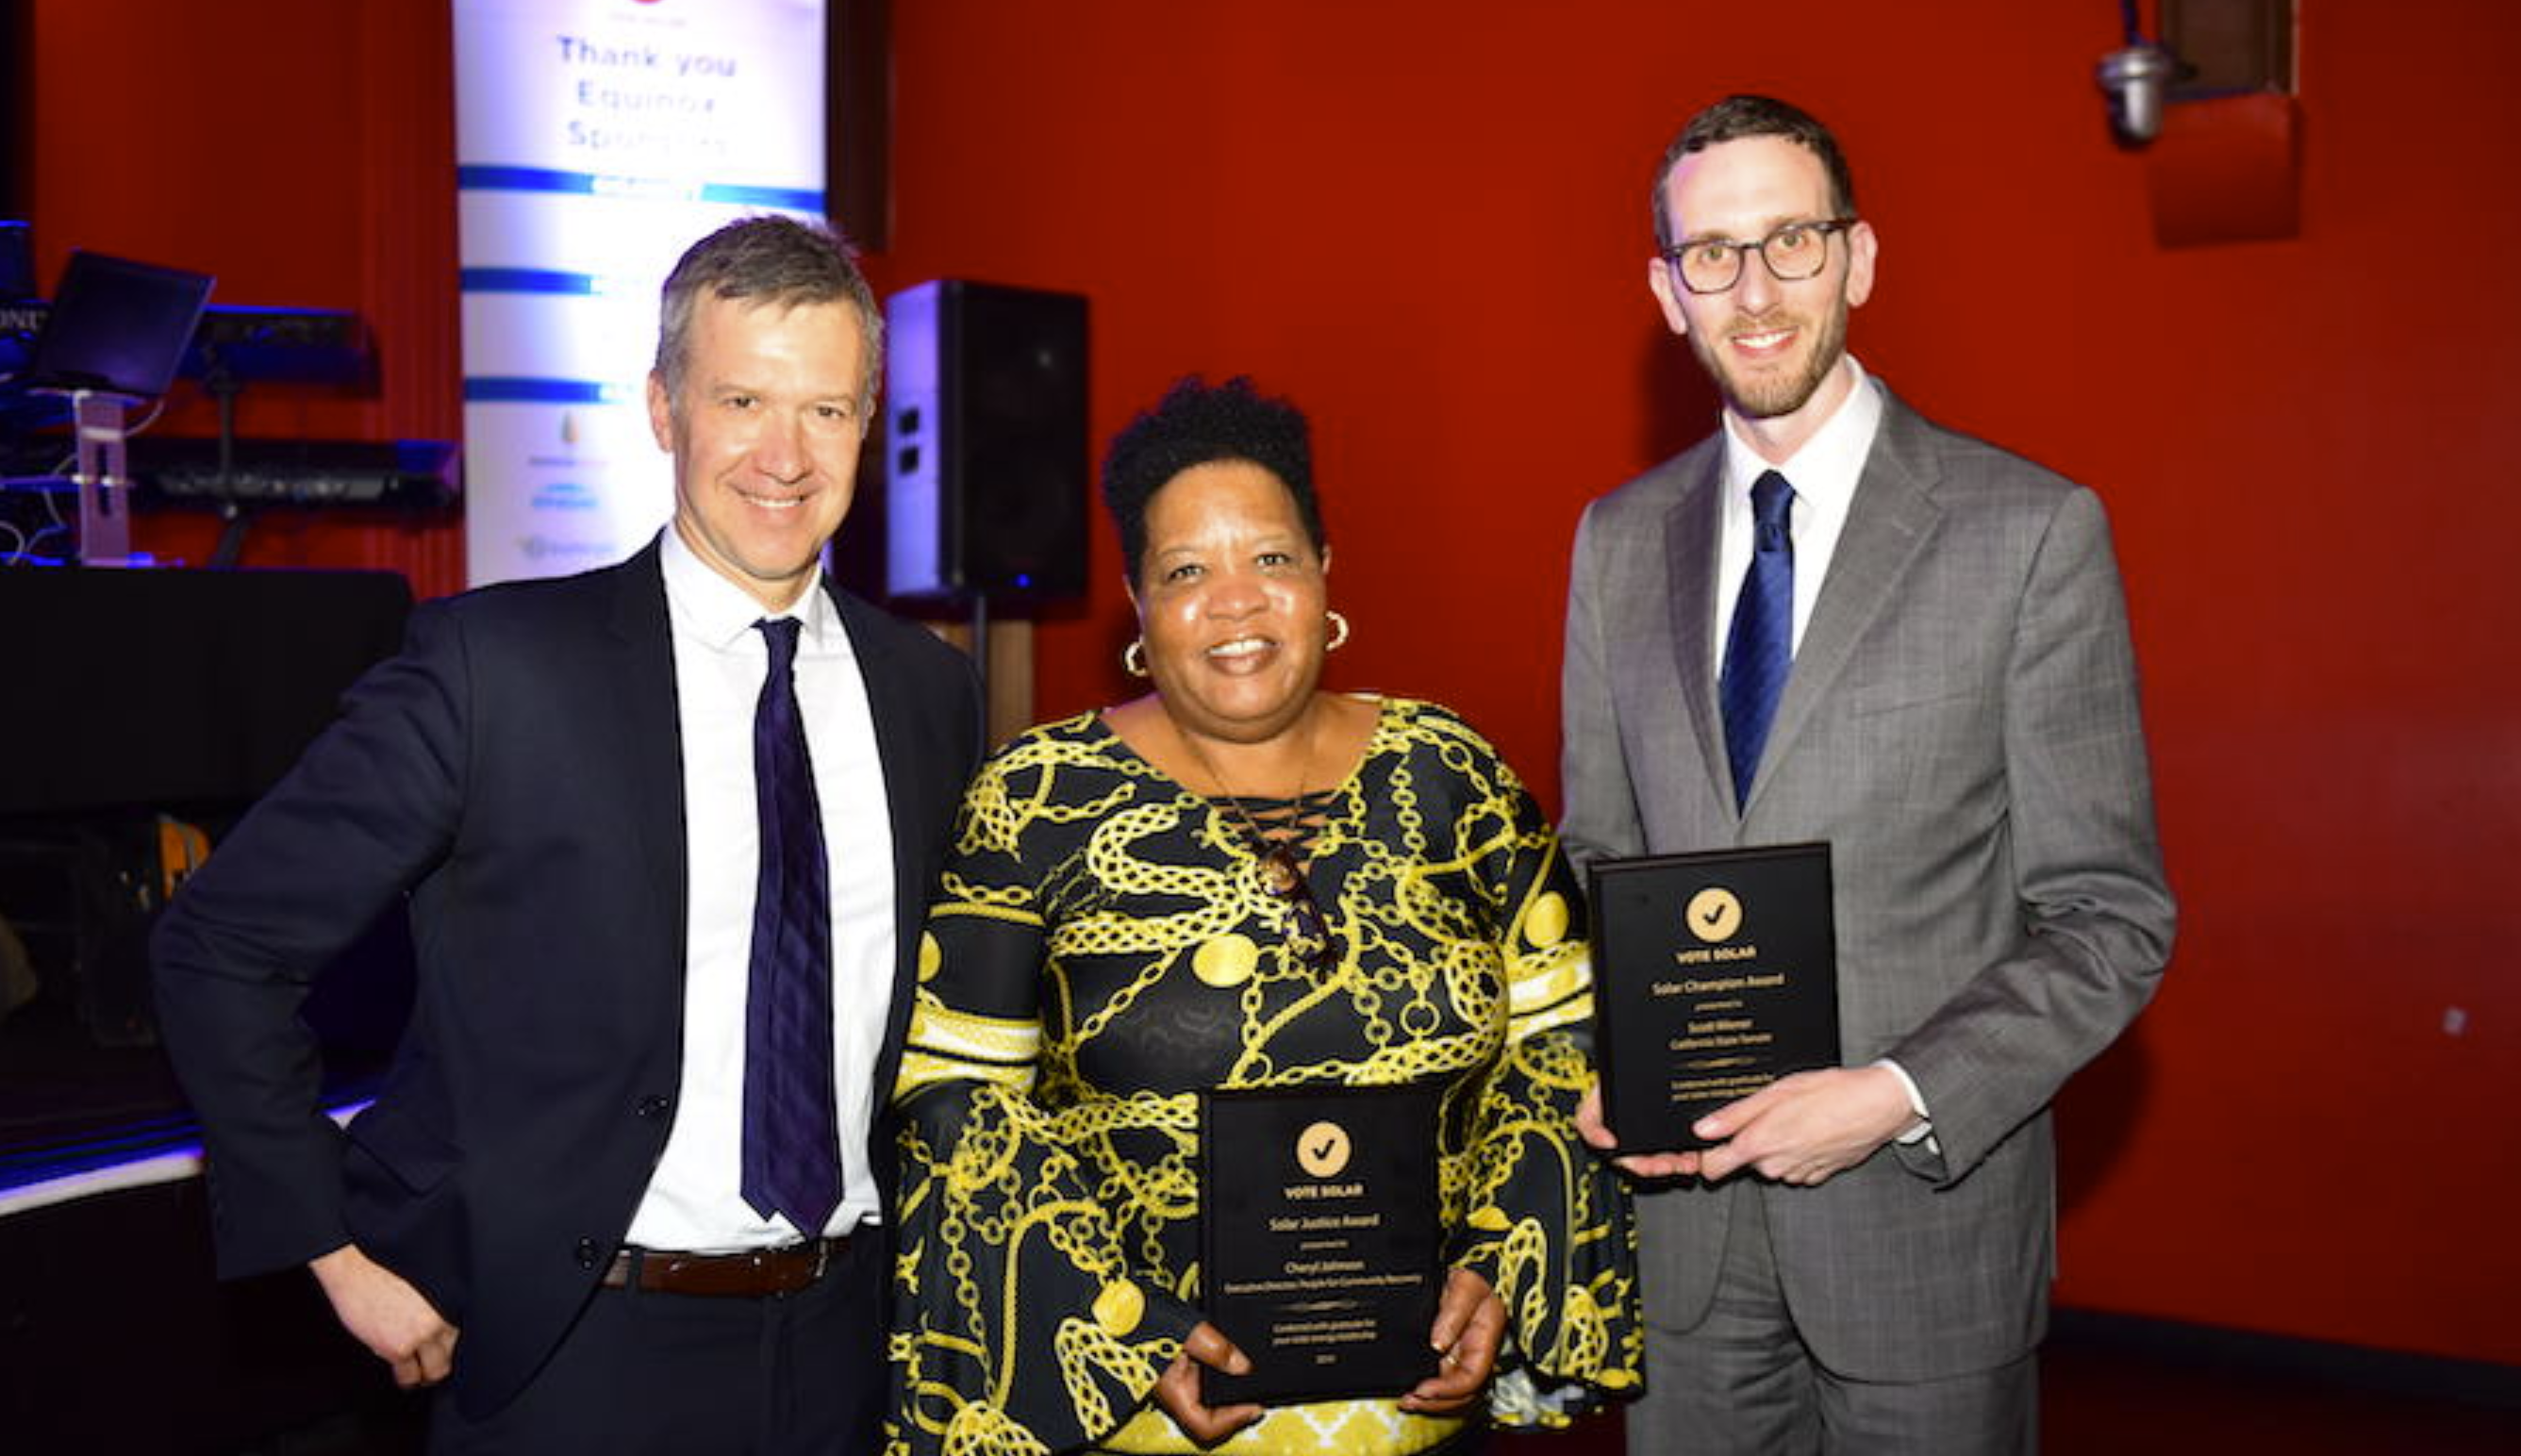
(545, 179)
(527, 281)
(793, 199)
(520, 179)
(493, 389)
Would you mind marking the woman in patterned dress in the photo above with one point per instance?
(1236, 880)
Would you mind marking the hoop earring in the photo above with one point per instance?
(1339, 632)
(1133, 657)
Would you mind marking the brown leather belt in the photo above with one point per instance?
(751, 1274)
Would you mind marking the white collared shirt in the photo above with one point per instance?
(694, 1200)
(1823, 473)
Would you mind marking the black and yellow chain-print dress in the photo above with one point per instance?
(1104, 948)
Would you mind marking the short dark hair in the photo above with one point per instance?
(1196, 424)
(770, 259)
(1738, 117)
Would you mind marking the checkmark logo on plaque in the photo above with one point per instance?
(1714, 914)
(1322, 1150)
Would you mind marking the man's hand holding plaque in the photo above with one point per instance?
(1717, 980)
(1803, 1128)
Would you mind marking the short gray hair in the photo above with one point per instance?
(767, 260)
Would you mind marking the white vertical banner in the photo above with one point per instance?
(595, 140)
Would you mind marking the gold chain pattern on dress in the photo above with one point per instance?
(1103, 951)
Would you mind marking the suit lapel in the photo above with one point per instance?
(899, 749)
(1888, 524)
(651, 731)
(1690, 532)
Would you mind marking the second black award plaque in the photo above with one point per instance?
(1320, 1255)
(1715, 975)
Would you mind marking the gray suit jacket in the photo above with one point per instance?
(1961, 725)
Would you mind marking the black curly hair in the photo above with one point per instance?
(1198, 424)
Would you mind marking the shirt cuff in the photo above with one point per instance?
(1923, 1128)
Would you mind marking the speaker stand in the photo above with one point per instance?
(104, 488)
(980, 640)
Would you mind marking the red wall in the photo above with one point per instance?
(1426, 223)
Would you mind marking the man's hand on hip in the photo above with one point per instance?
(389, 1316)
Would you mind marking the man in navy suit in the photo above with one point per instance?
(545, 1208)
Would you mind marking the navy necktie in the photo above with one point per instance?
(1761, 646)
(790, 1135)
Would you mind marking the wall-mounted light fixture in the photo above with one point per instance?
(2211, 102)
(2136, 77)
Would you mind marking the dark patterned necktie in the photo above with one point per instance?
(790, 1137)
(1760, 649)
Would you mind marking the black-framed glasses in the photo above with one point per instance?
(1792, 253)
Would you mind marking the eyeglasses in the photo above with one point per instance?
(1793, 252)
(1281, 876)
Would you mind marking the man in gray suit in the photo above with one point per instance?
(1834, 620)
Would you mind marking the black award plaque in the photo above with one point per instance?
(1715, 975)
(1320, 1254)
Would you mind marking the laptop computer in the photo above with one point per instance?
(116, 326)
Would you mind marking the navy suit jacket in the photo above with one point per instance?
(516, 772)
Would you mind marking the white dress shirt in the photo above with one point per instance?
(695, 1199)
(1825, 474)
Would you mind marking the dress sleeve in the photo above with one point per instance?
(1546, 1222)
(1018, 1323)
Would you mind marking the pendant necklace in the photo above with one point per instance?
(1279, 870)
(1274, 860)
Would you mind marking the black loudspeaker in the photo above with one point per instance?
(986, 430)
